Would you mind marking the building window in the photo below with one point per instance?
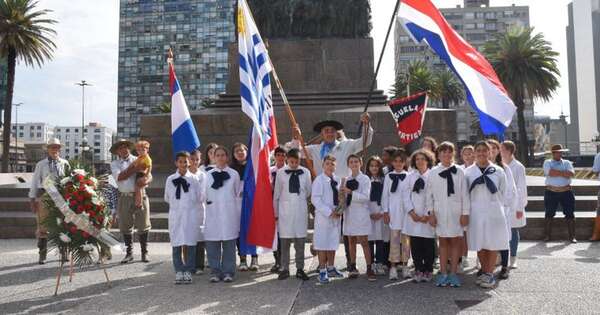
(39, 135)
(469, 15)
(39, 127)
(470, 26)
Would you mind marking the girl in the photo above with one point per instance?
(430, 144)
(448, 204)
(239, 155)
(200, 176)
(222, 219)
(511, 192)
(517, 219)
(379, 239)
(392, 200)
(209, 153)
(325, 198)
(467, 155)
(422, 234)
(487, 231)
(357, 221)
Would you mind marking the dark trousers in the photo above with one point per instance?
(423, 253)
(200, 255)
(378, 251)
(565, 199)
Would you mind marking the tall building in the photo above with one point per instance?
(199, 31)
(477, 22)
(97, 137)
(32, 132)
(583, 53)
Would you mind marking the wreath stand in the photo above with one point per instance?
(71, 271)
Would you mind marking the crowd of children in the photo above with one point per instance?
(421, 207)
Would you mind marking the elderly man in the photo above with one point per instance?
(130, 216)
(55, 167)
(558, 174)
(340, 148)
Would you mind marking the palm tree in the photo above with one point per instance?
(447, 89)
(527, 66)
(164, 107)
(24, 34)
(419, 78)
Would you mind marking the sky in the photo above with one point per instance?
(87, 40)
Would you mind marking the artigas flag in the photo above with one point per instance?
(409, 114)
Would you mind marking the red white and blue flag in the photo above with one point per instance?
(257, 226)
(183, 131)
(486, 94)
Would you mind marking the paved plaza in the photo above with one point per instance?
(552, 278)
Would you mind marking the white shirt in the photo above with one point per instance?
(327, 229)
(119, 165)
(183, 212)
(291, 209)
(222, 217)
(394, 203)
(520, 178)
(447, 209)
(43, 170)
(418, 202)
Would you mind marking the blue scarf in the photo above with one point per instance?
(326, 148)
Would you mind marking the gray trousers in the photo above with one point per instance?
(285, 252)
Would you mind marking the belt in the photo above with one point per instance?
(126, 194)
(558, 188)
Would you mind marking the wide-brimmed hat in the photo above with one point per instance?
(119, 143)
(558, 148)
(53, 142)
(328, 123)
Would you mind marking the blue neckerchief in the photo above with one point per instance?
(326, 148)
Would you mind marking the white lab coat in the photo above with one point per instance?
(418, 202)
(379, 230)
(200, 176)
(487, 222)
(395, 203)
(291, 209)
(222, 218)
(341, 151)
(357, 220)
(511, 198)
(447, 209)
(327, 229)
(518, 172)
(183, 212)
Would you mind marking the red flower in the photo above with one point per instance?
(73, 229)
(72, 203)
(79, 209)
(79, 177)
(85, 234)
(81, 187)
(91, 213)
(100, 218)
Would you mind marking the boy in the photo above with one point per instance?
(279, 155)
(145, 162)
(292, 189)
(183, 192)
(325, 198)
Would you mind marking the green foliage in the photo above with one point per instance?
(164, 108)
(447, 89)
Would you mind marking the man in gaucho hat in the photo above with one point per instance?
(129, 216)
(340, 149)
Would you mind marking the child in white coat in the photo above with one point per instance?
(448, 203)
(183, 192)
(222, 219)
(279, 156)
(395, 188)
(199, 175)
(379, 239)
(487, 231)
(357, 220)
(422, 234)
(325, 198)
(292, 190)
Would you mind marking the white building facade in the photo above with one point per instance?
(32, 132)
(98, 139)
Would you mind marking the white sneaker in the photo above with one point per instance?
(513, 262)
(406, 272)
(380, 270)
(214, 279)
(488, 282)
(199, 271)
(179, 277)
(393, 273)
(480, 279)
(228, 278)
(187, 277)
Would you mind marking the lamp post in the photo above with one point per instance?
(16, 135)
(84, 149)
(83, 84)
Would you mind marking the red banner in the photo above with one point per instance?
(409, 113)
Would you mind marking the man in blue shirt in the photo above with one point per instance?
(558, 174)
(596, 170)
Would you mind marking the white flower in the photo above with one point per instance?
(79, 171)
(87, 247)
(94, 180)
(64, 238)
(58, 221)
(65, 180)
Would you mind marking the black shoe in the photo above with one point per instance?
(43, 250)
(275, 268)
(128, 258)
(503, 275)
(283, 275)
(144, 247)
(300, 274)
(145, 258)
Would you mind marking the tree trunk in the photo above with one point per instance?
(12, 61)
(523, 142)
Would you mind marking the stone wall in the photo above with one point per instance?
(226, 126)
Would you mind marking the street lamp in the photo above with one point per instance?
(16, 134)
(83, 84)
(84, 148)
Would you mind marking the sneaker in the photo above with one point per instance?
(214, 279)
(227, 278)
(417, 277)
(275, 268)
(199, 271)
(479, 272)
(427, 277)
(187, 277)
(393, 273)
(254, 264)
(513, 262)
(488, 282)
(323, 277)
(284, 274)
(243, 266)
(371, 276)
(179, 277)
(300, 274)
(405, 272)
(453, 281)
(334, 273)
(441, 280)
(380, 270)
(503, 274)
(480, 278)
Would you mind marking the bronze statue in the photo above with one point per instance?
(312, 18)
